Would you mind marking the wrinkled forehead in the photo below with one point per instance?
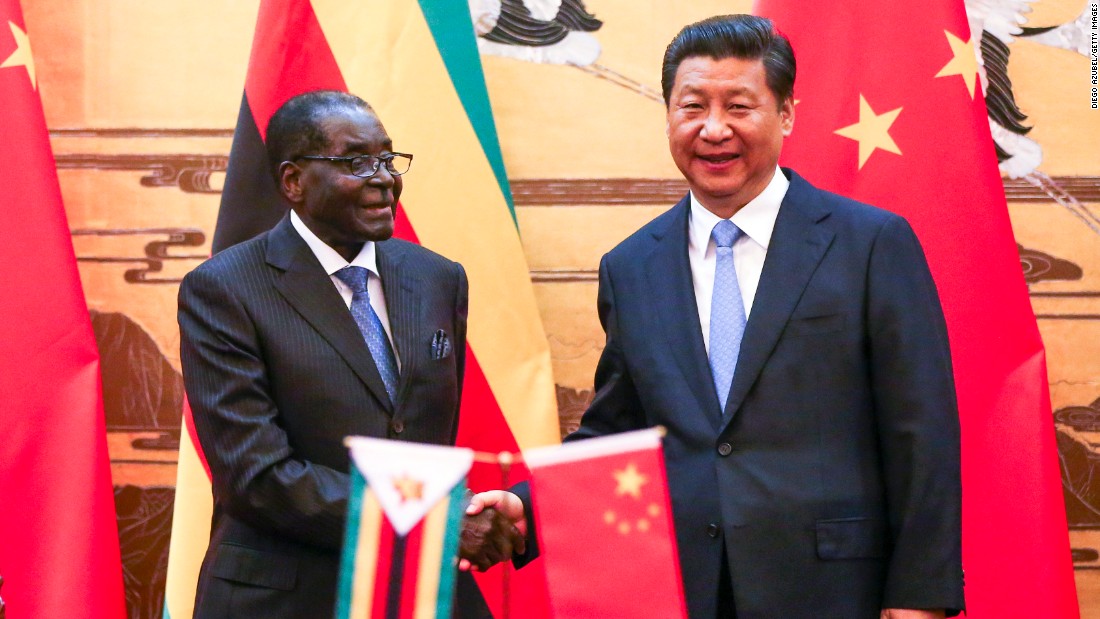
(354, 130)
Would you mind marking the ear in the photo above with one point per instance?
(786, 116)
(290, 182)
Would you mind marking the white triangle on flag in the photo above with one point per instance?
(408, 478)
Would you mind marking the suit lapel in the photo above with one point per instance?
(672, 292)
(798, 243)
(403, 306)
(306, 286)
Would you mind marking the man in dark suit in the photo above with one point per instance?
(321, 328)
(792, 343)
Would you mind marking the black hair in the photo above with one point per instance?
(734, 36)
(295, 128)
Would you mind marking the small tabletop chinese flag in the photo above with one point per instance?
(404, 519)
(605, 527)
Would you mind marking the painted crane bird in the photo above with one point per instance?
(1000, 22)
(547, 32)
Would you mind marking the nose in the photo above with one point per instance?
(382, 177)
(715, 128)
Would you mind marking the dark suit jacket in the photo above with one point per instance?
(277, 374)
(832, 479)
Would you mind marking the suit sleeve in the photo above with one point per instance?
(615, 406)
(256, 477)
(917, 422)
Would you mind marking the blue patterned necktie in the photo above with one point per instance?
(371, 327)
(727, 311)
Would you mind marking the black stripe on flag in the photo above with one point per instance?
(251, 204)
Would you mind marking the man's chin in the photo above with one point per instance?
(375, 225)
(379, 233)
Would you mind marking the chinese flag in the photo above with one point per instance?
(605, 527)
(59, 553)
(889, 110)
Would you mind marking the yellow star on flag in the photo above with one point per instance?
(21, 57)
(963, 62)
(872, 131)
(630, 481)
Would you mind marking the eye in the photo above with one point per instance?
(362, 165)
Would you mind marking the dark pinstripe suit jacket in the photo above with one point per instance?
(277, 374)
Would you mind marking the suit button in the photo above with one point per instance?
(712, 530)
(397, 426)
(725, 449)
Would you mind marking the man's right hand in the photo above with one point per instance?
(494, 528)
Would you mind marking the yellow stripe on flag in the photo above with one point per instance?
(431, 560)
(388, 56)
(366, 556)
(191, 515)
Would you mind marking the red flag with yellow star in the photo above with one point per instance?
(610, 494)
(890, 111)
(59, 553)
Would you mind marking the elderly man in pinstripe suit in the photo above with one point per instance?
(284, 354)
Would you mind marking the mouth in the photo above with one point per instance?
(719, 159)
(378, 206)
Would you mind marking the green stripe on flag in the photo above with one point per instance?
(447, 572)
(351, 543)
(453, 31)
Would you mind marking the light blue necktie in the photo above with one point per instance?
(727, 311)
(371, 327)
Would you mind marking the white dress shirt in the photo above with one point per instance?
(331, 261)
(756, 219)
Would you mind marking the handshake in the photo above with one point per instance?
(493, 529)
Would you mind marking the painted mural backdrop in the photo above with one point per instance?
(141, 98)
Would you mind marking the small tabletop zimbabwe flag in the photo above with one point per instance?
(404, 517)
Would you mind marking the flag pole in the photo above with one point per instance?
(505, 459)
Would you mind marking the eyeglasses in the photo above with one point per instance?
(366, 166)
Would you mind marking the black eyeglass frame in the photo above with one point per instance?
(377, 160)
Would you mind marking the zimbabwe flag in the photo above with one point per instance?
(416, 63)
(404, 521)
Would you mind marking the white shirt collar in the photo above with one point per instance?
(756, 219)
(331, 261)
